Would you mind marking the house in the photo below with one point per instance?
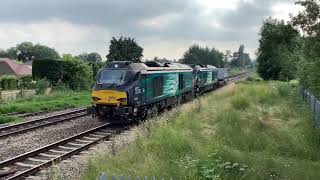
(10, 67)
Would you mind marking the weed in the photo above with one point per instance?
(254, 130)
(56, 101)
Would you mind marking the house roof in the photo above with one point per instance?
(9, 67)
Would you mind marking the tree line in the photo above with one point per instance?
(291, 50)
(78, 72)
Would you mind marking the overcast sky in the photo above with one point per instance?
(164, 28)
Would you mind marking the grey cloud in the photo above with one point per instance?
(101, 12)
(123, 17)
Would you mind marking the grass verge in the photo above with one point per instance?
(252, 130)
(56, 101)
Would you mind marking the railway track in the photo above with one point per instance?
(235, 78)
(34, 161)
(22, 127)
(23, 115)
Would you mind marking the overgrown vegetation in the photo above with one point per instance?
(56, 101)
(284, 54)
(76, 74)
(278, 52)
(256, 130)
(23, 82)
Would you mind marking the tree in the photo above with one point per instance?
(25, 51)
(94, 57)
(308, 21)
(278, 52)
(76, 74)
(12, 53)
(41, 52)
(68, 57)
(82, 56)
(205, 56)
(124, 49)
(3, 53)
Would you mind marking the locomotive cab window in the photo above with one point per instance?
(157, 86)
(112, 76)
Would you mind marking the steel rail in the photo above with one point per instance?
(40, 122)
(70, 151)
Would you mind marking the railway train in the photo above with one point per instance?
(125, 91)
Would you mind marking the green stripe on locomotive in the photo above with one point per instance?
(162, 85)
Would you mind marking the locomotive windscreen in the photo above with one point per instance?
(112, 76)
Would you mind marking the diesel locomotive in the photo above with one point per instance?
(125, 91)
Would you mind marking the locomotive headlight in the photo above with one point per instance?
(96, 98)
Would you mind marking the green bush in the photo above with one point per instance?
(95, 66)
(26, 82)
(240, 102)
(42, 85)
(9, 82)
(76, 74)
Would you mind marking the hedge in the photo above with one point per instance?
(8, 82)
(76, 74)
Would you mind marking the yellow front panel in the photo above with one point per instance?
(109, 97)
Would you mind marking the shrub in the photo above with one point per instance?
(8, 82)
(76, 74)
(26, 82)
(240, 102)
(95, 66)
(42, 85)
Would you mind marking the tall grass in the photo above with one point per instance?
(254, 130)
(56, 101)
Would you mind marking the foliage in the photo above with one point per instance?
(279, 50)
(41, 52)
(3, 53)
(12, 53)
(75, 73)
(41, 85)
(26, 82)
(27, 51)
(92, 57)
(55, 101)
(8, 119)
(308, 21)
(8, 82)
(124, 49)
(95, 66)
(241, 60)
(205, 56)
(271, 138)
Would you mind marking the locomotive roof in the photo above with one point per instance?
(204, 67)
(149, 66)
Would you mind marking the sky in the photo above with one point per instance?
(164, 28)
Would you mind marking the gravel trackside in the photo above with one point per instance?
(25, 142)
(73, 167)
